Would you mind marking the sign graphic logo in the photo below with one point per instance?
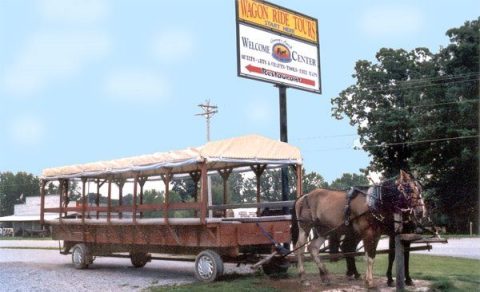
(281, 53)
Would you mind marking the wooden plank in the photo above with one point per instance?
(271, 205)
(400, 263)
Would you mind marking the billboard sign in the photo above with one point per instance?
(274, 58)
(277, 45)
(279, 19)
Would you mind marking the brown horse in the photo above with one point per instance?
(329, 211)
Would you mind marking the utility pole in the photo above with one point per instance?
(208, 112)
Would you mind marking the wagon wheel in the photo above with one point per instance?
(208, 266)
(276, 267)
(139, 259)
(81, 256)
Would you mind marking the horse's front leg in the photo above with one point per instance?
(391, 258)
(349, 244)
(370, 245)
(408, 280)
(314, 249)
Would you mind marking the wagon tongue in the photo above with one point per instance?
(281, 250)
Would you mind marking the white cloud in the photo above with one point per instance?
(73, 11)
(259, 111)
(136, 86)
(173, 46)
(50, 57)
(392, 20)
(27, 130)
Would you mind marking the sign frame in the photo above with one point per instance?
(277, 32)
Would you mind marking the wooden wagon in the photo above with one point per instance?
(109, 226)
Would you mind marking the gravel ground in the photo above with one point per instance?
(47, 270)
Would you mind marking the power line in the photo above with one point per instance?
(420, 141)
(392, 144)
(324, 137)
(444, 103)
(400, 107)
(414, 83)
(393, 87)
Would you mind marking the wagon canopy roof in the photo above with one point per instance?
(232, 152)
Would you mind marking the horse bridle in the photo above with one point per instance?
(412, 201)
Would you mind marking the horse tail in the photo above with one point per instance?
(294, 231)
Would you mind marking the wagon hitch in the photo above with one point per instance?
(280, 252)
(279, 248)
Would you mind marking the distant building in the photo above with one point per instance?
(26, 216)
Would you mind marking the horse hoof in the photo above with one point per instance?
(390, 283)
(409, 282)
(370, 285)
(357, 276)
(325, 280)
(305, 283)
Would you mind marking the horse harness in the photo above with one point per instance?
(381, 199)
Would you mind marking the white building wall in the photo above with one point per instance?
(32, 205)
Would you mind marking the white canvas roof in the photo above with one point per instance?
(217, 154)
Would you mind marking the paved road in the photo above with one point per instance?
(458, 247)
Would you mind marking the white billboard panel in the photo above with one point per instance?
(277, 59)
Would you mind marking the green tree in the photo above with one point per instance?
(152, 197)
(312, 181)
(348, 180)
(418, 111)
(13, 186)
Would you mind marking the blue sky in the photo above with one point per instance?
(82, 81)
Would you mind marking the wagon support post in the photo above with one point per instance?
(399, 252)
(97, 198)
(195, 176)
(120, 182)
(109, 200)
(299, 175)
(141, 181)
(204, 192)
(42, 201)
(258, 170)
(60, 191)
(84, 201)
(225, 174)
(134, 203)
(166, 180)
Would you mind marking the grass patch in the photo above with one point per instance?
(28, 247)
(445, 273)
(229, 283)
(24, 238)
(447, 236)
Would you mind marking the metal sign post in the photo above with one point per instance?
(282, 94)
